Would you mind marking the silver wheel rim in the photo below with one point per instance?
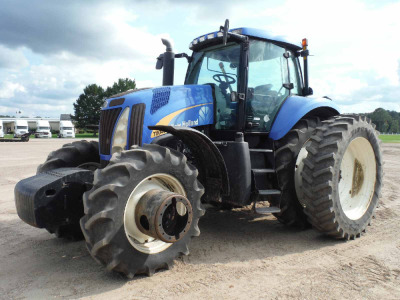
(357, 178)
(138, 239)
(298, 169)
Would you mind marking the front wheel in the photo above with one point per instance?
(342, 176)
(143, 210)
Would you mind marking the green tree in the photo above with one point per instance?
(87, 106)
(121, 86)
(385, 127)
(381, 118)
(394, 126)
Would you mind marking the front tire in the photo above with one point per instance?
(342, 176)
(72, 155)
(110, 227)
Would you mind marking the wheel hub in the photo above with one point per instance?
(163, 215)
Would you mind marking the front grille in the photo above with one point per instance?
(160, 98)
(136, 124)
(107, 123)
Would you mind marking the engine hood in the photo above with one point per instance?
(179, 105)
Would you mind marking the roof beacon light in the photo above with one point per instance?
(304, 43)
(202, 38)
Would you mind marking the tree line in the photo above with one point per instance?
(386, 121)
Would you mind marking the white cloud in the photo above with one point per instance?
(9, 89)
(12, 59)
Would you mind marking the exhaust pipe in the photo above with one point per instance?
(168, 63)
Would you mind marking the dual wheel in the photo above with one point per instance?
(330, 173)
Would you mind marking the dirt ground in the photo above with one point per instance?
(238, 254)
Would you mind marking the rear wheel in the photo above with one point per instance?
(81, 154)
(143, 210)
(342, 176)
(289, 154)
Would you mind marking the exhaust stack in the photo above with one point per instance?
(166, 61)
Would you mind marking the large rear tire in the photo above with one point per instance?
(76, 154)
(111, 224)
(288, 164)
(342, 176)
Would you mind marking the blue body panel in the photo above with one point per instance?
(185, 105)
(293, 109)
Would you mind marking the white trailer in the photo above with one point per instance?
(42, 129)
(20, 127)
(1, 129)
(67, 129)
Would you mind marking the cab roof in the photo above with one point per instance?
(251, 32)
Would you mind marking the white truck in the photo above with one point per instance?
(20, 127)
(42, 129)
(67, 130)
(1, 129)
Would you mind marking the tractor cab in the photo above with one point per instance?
(251, 74)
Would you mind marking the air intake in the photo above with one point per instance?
(107, 123)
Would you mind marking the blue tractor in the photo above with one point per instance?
(243, 130)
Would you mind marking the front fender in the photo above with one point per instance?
(212, 168)
(295, 108)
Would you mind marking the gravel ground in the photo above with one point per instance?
(238, 254)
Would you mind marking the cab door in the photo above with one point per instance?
(272, 69)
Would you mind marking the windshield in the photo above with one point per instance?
(22, 127)
(43, 128)
(219, 67)
(66, 128)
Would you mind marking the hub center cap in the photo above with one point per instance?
(163, 215)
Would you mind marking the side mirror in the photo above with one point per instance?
(159, 63)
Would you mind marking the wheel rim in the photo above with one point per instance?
(357, 178)
(298, 168)
(139, 240)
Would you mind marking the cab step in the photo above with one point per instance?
(267, 210)
(269, 192)
(262, 150)
(263, 171)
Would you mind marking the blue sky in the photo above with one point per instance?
(50, 50)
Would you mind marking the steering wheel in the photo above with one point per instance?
(228, 79)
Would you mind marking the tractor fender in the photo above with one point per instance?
(213, 173)
(295, 108)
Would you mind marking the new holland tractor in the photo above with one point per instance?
(243, 130)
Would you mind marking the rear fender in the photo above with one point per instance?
(295, 108)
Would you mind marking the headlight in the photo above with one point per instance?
(121, 132)
(105, 104)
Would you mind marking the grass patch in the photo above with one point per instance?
(390, 138)
(86, 135)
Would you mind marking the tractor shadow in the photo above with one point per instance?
(241, 235)
(35, 263)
